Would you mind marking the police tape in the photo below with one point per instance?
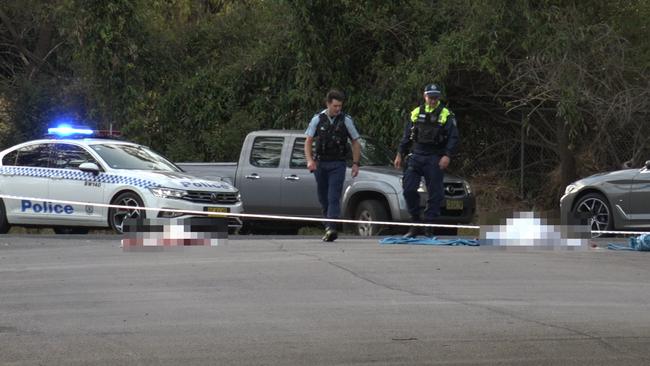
(47, 207)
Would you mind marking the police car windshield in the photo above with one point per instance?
(122, 156)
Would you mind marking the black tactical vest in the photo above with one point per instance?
(427, 130)
(331, 138)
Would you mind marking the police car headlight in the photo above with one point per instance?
(238, 196)
(167, 192)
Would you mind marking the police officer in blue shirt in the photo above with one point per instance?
(432, 137)
(331, 130)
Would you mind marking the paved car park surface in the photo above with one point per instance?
(297, 301)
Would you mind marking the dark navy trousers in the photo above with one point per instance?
(423, 166)
(330, 176)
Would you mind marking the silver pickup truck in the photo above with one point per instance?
(273, 179)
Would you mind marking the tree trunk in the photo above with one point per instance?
(567, 156)
(43, 47)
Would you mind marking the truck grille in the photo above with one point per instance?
(454, 190)
(223, 198)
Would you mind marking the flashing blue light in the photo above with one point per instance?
(67, 130)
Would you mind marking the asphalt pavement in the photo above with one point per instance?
(82, 300)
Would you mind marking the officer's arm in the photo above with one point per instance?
(356, 150)
(452, 142)
(404, 145)
(311, 164)
(356, 155)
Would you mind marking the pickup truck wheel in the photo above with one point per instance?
(370, 210)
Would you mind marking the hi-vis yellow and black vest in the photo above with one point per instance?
(429, 128)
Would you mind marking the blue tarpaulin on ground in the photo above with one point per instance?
(429, 241)
(640, 243)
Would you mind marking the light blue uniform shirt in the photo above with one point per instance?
(349, 124)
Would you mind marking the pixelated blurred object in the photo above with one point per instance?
(167, 233)
(527, 229)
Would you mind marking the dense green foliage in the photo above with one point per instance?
(566, 80)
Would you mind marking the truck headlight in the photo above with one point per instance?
(570, 188)
(468, 188)
(422, 188)
(167, 192)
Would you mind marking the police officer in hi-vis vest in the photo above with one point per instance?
(432, 137)
(331, 129)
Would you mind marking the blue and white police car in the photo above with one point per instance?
(79, 165)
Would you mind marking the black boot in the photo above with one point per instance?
(413, 232)
(330, 235)
(428, 232)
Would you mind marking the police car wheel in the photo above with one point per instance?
(4, 224)
(117, 216)
(370, 210)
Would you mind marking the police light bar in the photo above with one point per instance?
(69, 132)
(66, 130)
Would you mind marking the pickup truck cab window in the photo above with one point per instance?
(298, 159)
(374, 154)
(267, 151)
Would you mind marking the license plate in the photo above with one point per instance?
(454, 205)
(216, 209)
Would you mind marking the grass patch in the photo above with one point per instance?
(311, 230)
(468, 232)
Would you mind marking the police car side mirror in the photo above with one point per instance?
(89, 168)
(647, 164)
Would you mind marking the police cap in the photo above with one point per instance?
(432, 90)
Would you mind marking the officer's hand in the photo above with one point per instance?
(444, 162)
(311, 165)
(398, 161)
(355, 170)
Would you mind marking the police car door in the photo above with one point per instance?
(68, 183)
(24, 173)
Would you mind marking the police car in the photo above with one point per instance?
(83, 165)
